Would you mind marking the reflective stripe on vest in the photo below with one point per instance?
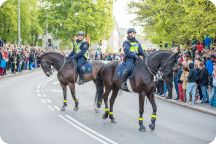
(77, 48)
(134, 46)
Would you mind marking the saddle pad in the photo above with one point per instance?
(87, 68)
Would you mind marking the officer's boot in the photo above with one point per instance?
(124, 84)
(81, 81)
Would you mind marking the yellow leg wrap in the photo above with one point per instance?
(76, 100)
(140, 119)
(153, 116)
(110, 113)
(106, 110)
(99, 102)
(65, 100)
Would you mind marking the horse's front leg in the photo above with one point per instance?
(154, 107)
(73, 93)
(112, 101)
(64, 89)
(141, 111)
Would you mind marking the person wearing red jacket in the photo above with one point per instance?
(199, 47)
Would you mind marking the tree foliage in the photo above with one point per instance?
(175, 20)
(30, 26)
(66, 18)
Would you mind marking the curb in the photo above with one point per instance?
(203, 110)
(19, 74)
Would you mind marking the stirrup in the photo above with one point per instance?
(124, 85)
(80, 82)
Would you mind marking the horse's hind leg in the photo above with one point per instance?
(73, 93)
(64, 88)
(105, 96)
(154, 107)
(112, 101)
(141, 111)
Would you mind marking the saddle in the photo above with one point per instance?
(87, 68)
(121, 68)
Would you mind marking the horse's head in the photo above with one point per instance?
(45, 65)
(167, 66)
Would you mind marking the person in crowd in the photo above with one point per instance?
(191, 86)
(180, 82)
(209, 65)
(213, 88)
(175, 79)
(203, 82)
(184, 79)
(207, 42)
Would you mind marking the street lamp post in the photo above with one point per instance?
(19, 33)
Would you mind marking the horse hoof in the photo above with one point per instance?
(97, 110)
(63, 108)
(104, 116)
(76, 108)
(113, 120)
(152, 127)
(142, 129)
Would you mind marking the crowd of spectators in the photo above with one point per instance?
(194, 75)
(14, 59)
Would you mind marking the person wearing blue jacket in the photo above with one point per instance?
(132, 51)
(80, 54)
(209, 66)
(207, 42)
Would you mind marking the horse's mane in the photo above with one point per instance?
(159, 52)
(47, 53)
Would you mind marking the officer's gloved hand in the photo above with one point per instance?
(138, 59)
(73, 57)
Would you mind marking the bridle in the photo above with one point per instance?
(154, 70)
(50, 71)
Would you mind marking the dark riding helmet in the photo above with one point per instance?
(131, 30)
(81, 33)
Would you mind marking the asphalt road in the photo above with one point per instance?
(29, 114)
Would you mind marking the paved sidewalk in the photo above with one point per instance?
(18, 74)
(205, 108)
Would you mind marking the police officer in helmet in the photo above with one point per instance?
(79, 54)
(132, 51)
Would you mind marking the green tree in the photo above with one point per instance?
(66, 18)
(30, 27)
(175, 20)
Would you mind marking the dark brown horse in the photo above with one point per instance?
(67, 74)
(141, 82)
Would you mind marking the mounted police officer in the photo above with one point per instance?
(132, 51)
(79, 54)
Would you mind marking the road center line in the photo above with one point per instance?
(48, 100)
(51, 108)
(90, 130)
(43, 100)
(56, 107)
(83, 130)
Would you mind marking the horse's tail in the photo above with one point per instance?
(99, 89)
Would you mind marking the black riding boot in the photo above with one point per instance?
(81, 81)
(124, 84)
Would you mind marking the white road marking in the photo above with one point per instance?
(83, 130)
(48, 100)
(55, 83)
(90, 130)
(57, 108)
(45, 83)
(38, 87)
(55, 90)
(51, 108)
(44, 95)
(43, 100)
(39, 94)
